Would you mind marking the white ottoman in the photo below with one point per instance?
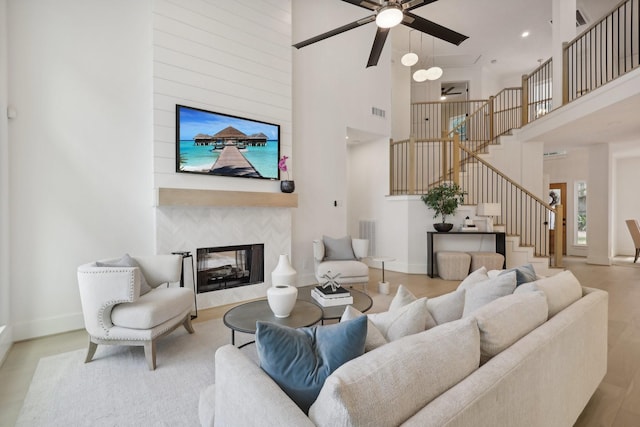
(453, 265)
(490, 260)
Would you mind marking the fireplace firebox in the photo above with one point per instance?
(226, 267)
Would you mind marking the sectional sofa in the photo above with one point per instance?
(530, 358)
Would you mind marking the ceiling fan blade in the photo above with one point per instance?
(424, 25)
(367, 4)
(413, 4)
(336, 31)
(378, 44)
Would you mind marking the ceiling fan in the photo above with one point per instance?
(388, 14)
(445, 92)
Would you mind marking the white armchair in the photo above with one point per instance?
(115, 312)
(341, 258)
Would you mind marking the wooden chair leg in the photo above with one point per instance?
(150, 354)
(187, 324)
(91, 351)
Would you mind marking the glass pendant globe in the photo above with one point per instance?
(420, 75)
(434, 73)
(409, 59)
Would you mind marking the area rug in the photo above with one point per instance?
(117, 388)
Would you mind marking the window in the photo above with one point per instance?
(580, 227)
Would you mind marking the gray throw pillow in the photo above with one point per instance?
(127, 261)
(484, 292)
(524, 274)
(448, 307)
(338, 249)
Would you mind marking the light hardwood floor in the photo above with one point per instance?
(616, 403)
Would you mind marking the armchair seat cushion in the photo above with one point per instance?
(346, 269)
(153, 308)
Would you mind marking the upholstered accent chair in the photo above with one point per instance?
(129, 301)
(634, 229)
(340, 260)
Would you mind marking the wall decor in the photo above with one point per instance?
(213, 143)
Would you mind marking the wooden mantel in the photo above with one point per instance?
(191, 197)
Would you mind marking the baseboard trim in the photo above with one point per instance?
(47, 326)
(6, 341)
(599, 260)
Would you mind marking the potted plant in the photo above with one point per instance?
(286, 185)
(444, 200)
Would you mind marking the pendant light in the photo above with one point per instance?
(409, 59)
(434, 73)
(421, 74)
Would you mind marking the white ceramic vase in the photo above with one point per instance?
(281, 299)
(283, 274)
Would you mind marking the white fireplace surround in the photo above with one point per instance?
(186, 228)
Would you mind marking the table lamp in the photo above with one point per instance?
(489, 210)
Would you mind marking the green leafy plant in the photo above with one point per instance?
(444, 199)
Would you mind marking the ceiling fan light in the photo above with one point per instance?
(420, 75)
(409, 59)
(434, 73)
(389, 16)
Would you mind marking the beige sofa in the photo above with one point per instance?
(434, 378)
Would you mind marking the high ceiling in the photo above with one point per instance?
(494, 28)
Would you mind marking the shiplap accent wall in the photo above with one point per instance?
(233, 57)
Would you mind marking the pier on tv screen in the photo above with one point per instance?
(212, 143)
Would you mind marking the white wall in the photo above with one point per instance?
(5, 291)
(226, 57)
(627, 203)
(80, 149)
(333, 90)
(600, 205)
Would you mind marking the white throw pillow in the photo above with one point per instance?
(505, 320)
(477, 276)
(561, 290)
(391, 325)
(484, 292)
(447, 307)
(403, 297)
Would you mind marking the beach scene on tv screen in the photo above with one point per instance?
(217, 144)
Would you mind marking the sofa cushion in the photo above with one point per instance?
(524, 274)
(338, 249)
(561, 290)
(392, 325)
(479, 275)
(299, 360)
(153, 308)
(447, 307)
(346, 268)
(505, 320)
(393, 382)
(484, 292)
(127, 261)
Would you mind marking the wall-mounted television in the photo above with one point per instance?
(212, 143)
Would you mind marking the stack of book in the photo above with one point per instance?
(328, 298)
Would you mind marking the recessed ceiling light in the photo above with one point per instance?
(525, 34)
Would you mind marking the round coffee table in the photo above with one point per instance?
(361, 302)
(243, 317)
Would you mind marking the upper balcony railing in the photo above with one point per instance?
(603, 52)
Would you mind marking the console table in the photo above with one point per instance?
(499, 236)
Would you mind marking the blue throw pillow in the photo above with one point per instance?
(300, 360)
(524, 274)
